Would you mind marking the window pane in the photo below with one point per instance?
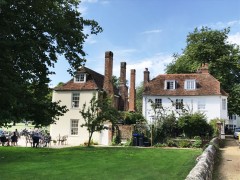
(179, 103)
(158, 102)
(75, 100)
(74, 127)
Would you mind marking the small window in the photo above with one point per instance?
(75, 100)
(170, 84)
(201, 105)
(74, 126)
(179, 103)
(224, 104)
(80, 77)
(190, 84)
(233, 117)
(158, 103)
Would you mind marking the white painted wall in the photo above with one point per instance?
(213, 105)
(62, 126)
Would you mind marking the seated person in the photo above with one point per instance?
(3, 139)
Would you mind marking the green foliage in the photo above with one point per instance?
(33, 35)
(211, 46)
(96, 113)
(194, 125)
(171, 143)
(160, 145)
(183, 143)
(116, 140)
(213, 124)
(132, 117)
(197, 144)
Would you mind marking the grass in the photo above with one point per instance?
(96, 163)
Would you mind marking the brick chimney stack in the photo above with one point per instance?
(146, 77)
(203, 69)
(132, 94)
(108, 85)
(123, 104)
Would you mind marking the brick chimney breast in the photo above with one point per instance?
(146, 77)
(108, 85)
(123, 89)
(132, 94)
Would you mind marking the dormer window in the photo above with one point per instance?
(170, 84)
(190, 84)
(79, 78)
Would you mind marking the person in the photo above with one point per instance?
(4, 139)
(14, 139)
(47, 139)
(35, 138)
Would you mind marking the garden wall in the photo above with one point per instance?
(203, 170)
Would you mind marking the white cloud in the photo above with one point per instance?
(155, 64)
(221, 25)
(234, 38)
(152, 31)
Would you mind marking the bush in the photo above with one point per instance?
(160, 145)
(171, 143)
(129, 143)
(197, 144)
(183, 143)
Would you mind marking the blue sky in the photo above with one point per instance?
(146, 33)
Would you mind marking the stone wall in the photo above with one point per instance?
(204, 168)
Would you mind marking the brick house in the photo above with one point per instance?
(79, 90)
(197, 92)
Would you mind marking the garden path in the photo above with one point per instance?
(230, 162)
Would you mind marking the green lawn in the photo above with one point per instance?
(96, 163)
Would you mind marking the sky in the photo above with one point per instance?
(146, 33)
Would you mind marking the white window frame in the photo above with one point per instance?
(201, 104)
(80, 78)
(74, 127)
(75, 99)
(224, 104)
(179, 104)
(190, 84)
(158, 102)
(170, 84)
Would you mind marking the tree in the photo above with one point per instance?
(194, 125)
(96, 113)
(211, 46)
(32, 35)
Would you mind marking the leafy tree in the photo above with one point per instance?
(132, 117)
(96, 113)
(32, 35)
(194, 125)
(211, 46)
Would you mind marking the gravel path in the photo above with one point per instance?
(230, 164)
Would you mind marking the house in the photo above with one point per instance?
(197, 92)
(80, 90)
(233, 122)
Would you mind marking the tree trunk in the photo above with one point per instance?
(90, 137)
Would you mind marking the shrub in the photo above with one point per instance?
(171, 143)
(197, 144)
(183, 143)
(160, 145)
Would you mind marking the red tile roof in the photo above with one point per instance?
(94, 81)
(206, 84)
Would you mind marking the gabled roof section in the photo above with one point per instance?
(206, 84)
(94, 81)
